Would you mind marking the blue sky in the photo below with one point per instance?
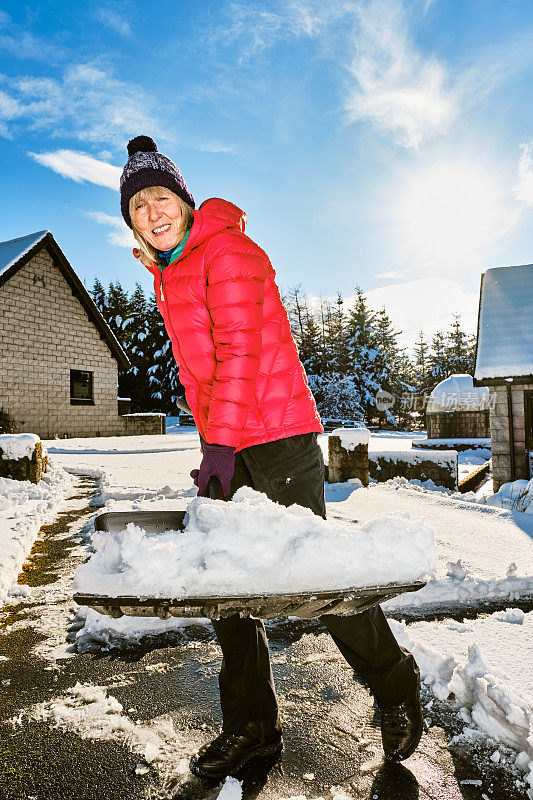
(382, 143)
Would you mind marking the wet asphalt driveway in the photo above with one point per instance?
(331, 731)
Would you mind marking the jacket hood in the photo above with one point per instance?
(213, 216)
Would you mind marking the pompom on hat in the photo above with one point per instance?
(147, 167)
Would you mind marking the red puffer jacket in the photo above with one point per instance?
(231, 336)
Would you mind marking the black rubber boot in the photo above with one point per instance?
(402, 725)
(228, 753)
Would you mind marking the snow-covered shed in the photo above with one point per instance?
(456, 409)
(504, 364)
(59, 359)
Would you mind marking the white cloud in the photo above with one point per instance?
(119, 234)
(425, 304)
(524, 186)
(20, 43)
(87, 102)
(109, 16)
(80, 167)
(257, 30)
(394, 274)
(391, 84)
(398, 90)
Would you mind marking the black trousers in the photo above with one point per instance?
(291, 471)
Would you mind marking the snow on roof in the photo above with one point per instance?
(13, 250)
(505, 330)
(458, 393)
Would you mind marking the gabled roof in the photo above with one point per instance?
(12, 251)
(15, 253)
(505, 325)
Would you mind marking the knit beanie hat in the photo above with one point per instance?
(146, 167)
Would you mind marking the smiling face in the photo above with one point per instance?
(158, 217)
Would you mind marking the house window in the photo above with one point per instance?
(81, 388)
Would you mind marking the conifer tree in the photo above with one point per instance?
(438, 365)
(338, 349)
(163, 373)
(458, 349)
(98, 295)
(363, 354)
(421, 363)
(135, 382)
(391, 369)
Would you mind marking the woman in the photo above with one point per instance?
(248, 393)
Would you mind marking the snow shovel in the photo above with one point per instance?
(264, 606)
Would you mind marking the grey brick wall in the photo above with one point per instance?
(499, 432)
(459, 424)
(44, 333)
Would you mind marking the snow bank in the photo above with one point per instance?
(351, 437)
(455, 442)
(14, 446)
(145, 414)
(24, 507)
(516, 495)
(485, 665)
(100, 632)
(460, 587)
(444, 458)
(253, 545)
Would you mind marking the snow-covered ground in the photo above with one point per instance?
(484, 554)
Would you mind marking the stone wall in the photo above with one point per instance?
(499, 431)
(422, 466)
(25, 469)
(458, 424)
(345, 464)
(143, 424)
(44, 333)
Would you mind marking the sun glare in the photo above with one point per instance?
(448, 215)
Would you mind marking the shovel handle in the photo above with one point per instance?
(214, 489)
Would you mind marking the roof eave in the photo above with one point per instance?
(511, 379)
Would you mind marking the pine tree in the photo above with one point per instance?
(421, 363)
(311, 344)
(458, 349)
(135, 382)
(438, 364)
(98, 295)
(363, 354)
(163, 373)
(391, 369)
(338, 348)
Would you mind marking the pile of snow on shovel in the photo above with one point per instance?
(254, 546)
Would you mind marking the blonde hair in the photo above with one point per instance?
(151, 193)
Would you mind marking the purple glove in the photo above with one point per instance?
(218, 460)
